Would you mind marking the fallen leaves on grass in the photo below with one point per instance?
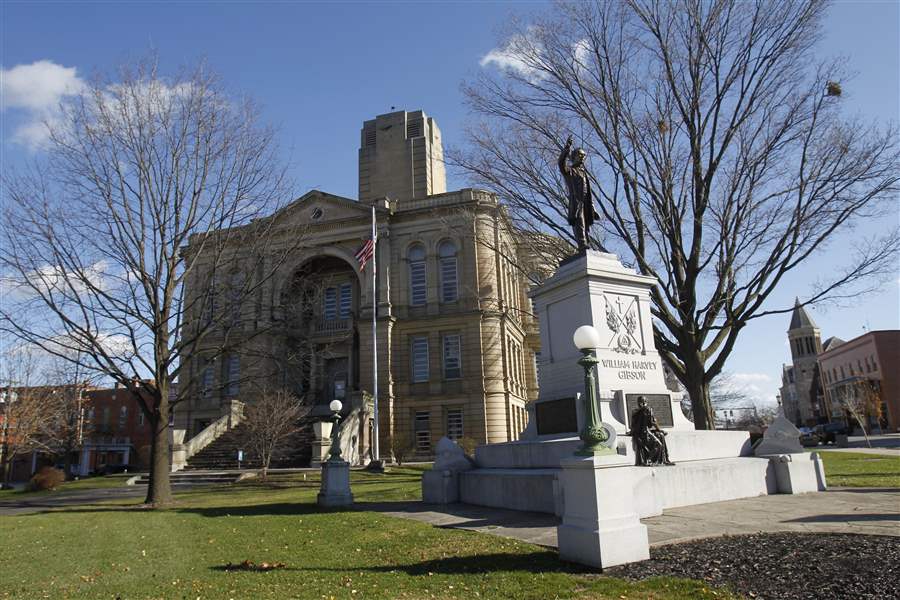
(249, 565)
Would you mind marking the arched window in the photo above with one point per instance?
(449, 279)
(417, 284)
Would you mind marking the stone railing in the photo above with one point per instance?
(181, 453)
(332, 326)
(352, 433)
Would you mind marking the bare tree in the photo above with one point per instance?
(269, 422)
(862, 401)
(72, 380)
(721, 159)
(94, 236)
(31, 413)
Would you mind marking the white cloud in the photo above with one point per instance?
(750, 377)
(36, 90)
(743, 389)
(38, 86)
(519, 54)
(55, 279)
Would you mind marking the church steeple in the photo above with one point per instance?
(803, 333)
(800, 318)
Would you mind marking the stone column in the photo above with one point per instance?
(600, 526)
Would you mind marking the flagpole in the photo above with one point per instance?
(376, 455)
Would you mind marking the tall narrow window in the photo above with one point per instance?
(454, 423)
(123, 416)
(452, 363)
(232, 375)
(423, 431)
(330, 305)
(449, 279)
(235, 292)
(346, 302)
(419, 359)
(417, 280)
(207, 378)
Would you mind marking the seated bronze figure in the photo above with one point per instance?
(648, 439)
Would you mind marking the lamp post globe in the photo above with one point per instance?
(335, 406)
(586, 337)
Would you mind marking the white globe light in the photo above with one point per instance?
(586, 337)
(335, 406)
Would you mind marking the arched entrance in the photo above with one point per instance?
(320, 308)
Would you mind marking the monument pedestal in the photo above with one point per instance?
(335, 489)
(600, 527)
(596, 289)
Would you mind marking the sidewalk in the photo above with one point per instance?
(839, 510)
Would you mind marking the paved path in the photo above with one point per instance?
(32, 503)
(839, 510)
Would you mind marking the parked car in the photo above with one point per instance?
(808, 437)
(828, 432)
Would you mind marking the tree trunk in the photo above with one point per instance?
(67, 463)
(7, 471)
(159, 490)
(701, 407)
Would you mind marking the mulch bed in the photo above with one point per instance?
(782, 565)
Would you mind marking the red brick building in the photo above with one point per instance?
(116, 431)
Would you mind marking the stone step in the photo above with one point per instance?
(655, 488)
(545, 454)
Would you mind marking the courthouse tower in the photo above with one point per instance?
(401, 157)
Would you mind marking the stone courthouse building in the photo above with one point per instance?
(456, 339)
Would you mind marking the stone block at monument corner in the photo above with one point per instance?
(600, 526)
(440, 485)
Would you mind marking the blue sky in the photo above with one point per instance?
(320, 69)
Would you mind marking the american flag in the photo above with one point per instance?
(365, 253)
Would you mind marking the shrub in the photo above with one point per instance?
(401, 450)
(47, 478)
(468, 445)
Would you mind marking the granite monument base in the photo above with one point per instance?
(335, 488)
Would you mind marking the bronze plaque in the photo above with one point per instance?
(660, 404)
(556, 416)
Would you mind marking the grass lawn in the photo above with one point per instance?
(120, 551)
(855, 469)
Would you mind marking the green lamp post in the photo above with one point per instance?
(593, 435)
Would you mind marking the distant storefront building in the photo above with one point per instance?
(865, 366)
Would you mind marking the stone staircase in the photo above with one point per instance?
(221, 454)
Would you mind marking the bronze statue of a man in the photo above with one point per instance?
(581, 214)
(648, 439)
